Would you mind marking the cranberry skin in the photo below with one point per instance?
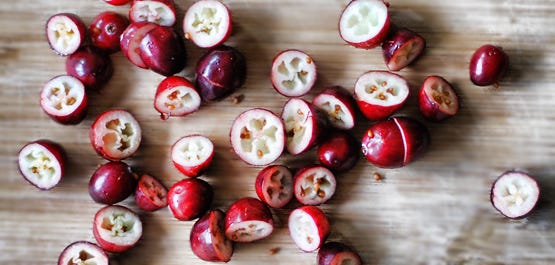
(339, 152)
(106, 29)
(117, 2)
(395, 142)
(91, 66)
(111, 183)
(488, 64)
(190, 198)
(219, 72)
(163, 51)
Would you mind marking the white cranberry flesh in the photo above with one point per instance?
(161, 12)
(258, 136)
(117, 228)
(309, 227)
(207, 23)
(115, 135)
(176, 96)
(65, 33)
(304, 125)
(192, 154)
(364, 23)
(380, 93)
(42, 163)
(314, 185)
(515, 194)
(83, 253)
(293, 73)
(63, 99)
(339, 105)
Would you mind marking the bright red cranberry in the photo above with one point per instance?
(293, 73)
(247, 220)
(163, 51)
(339, 151)
(117, 2)
(189, 199)
(488, 65)
(305, 125)
(117, 228)
(83, 252)
(401, 48)
(150, 194)
(91, 66)
(63, 98)
(220, 72)
(106, 29)
(208, 240)
(111, 183)
(274, 185)
(115, 134)
(65, 32)
(207, 23)
(336, 253)
(364, 23)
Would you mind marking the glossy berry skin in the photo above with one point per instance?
(395, 142)
(247, 220)
(220, 72)
(117, 2)
(111, 183)
(150, 194)
(106, 29)
(337, 253)
(401, 48)
(339, 151)
(190, 198)
(91, 66)
(207, 238)
(488, 65)
(163, 51)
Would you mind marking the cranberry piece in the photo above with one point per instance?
(488, 65)
(111, 183)
(91, 66)
(339, 152)
(106, 29)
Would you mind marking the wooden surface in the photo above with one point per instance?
(434, 211)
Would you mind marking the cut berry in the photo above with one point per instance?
(115, 134)
(305, 125)
(336, 253)
(293, 73)
(117, 228)
(161, 12)
(339, 151)
(130, 41)
(65, 33)
(63, 99)
(314, 185)
(395, 142)
(379, 94)
(112, 182)
(163, 51)
(488, 65)
(208, 240)
(364, 23)
(42, 163)
(189, 199)
(257, 136)
(515, 194)
(207, 23)
(176, 96)
(437, 99)
(83, 252)
(309, 227)
(106, 30)
(150, 194)
(247, 220)
(220, 72)
(340, 106)
(401, 48)
(274, 185)
(192, 154)
(91, 66)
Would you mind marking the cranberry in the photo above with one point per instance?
(106, 30)
(488, 65)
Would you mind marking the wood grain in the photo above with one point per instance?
(434, 211)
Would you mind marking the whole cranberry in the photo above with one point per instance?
(106, 29)
(488, 65)
(190, 198)
(111, 183)
(91, 66)
(163, 51)
(395, 142)
(339, 151)
(220, 72)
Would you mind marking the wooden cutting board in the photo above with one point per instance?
(433, 211)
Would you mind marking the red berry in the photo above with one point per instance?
(247, 220)
(115, 134)
(64, 99)
(207, 23)
(401, 48)
(364, 23)
(106, 29)
(111, 183)
(293, 73)
(379, 94)
(437, 99)
(91, 66)
(488, 65)
(208, 240)
(189, 199)
(339, 151)
(65, 33)
(150, 194)
(117, 228)
(42, 163)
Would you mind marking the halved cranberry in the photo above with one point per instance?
(247, 220)
(64, 99)
(364, 23)
(115, 134)
(42, 163)
(207, 23)
(293, 73)
(65, 33)
(274, 185)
